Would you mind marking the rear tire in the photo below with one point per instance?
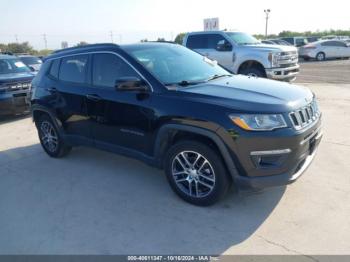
(50, 139)
(196, 173)
(254, 72)
(321, 56)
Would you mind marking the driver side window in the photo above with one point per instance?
(107, 68)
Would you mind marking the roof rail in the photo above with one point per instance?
(85, 46)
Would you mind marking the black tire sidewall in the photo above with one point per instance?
(222, 181)
(258, 72)
(324, 56)
(61, 149)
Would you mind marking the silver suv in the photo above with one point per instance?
(243, 54)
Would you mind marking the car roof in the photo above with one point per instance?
(81, 49)
(3, 56)
(212, 32)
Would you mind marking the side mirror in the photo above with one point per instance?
(130, 84)
(32, 68)
(223, 46)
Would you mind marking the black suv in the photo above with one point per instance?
(15, 81)
(177, 110)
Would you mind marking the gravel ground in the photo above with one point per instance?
(332, 71)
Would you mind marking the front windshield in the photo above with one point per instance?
(175, 64)
(242, 38)
(11, 66)
(31, 60)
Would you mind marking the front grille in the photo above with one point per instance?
(17, 86)
(288, 58)
(305, 116)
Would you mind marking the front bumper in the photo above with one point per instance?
(280, 159)
(287, 73)
(14, 102)
(282, 179)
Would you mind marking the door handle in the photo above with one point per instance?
(51, 89)
(93, 97)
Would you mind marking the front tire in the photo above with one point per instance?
(196, 173)
(50, 139)
(254, 72)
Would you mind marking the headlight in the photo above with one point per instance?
(259, 122)
(274, 59)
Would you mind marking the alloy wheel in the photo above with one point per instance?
(193, 174)
(49, 136)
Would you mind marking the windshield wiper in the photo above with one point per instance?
(185, 83)
(217, 76)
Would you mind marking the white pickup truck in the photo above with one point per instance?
(241, 53)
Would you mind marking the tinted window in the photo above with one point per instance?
(107, 68)
(214, 39)
(197, 42)
(289, 40)
(73, 69)
(54, 68)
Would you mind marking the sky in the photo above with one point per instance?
(132, 20)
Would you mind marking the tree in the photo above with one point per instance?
(179, 38)
(19, 48)
(144, 40)
(161, 39)
(82, 43)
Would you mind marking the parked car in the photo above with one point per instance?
(177, 110)
(268, 42)
(243, 54)
(33, 62)
(15, 82)
(325, 49)
(296, 41)
(279, 42)
(312, 39)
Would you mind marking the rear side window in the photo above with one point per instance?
(73, 69)
(197, 42)
(55, 65)
(107, 68)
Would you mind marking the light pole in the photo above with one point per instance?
(267, 13)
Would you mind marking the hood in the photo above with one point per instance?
(16, 77)
(36, 67)
(272, 48)
(251, 94)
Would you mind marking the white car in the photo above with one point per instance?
(325, 49)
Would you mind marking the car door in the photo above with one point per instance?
(342, 49)
(220, 49)
(119, 119)
(70, 91)
(198, 43)
(330, 49)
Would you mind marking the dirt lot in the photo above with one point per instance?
(94, 202)
(334, 71)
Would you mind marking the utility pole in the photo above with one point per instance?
(16, 37)
(45, 40)
(111, 35)
(267, 13)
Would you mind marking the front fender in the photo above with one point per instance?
(166, 129)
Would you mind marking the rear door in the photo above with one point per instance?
(330, 49)
(118, 118)
(70, 91)
(198, 43)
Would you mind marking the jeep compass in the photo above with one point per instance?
(176, 110)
